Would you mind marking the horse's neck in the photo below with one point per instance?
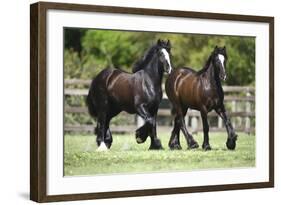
(214, 78)
(154, 72)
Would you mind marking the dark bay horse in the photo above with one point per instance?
(201, 91)
(114, 90)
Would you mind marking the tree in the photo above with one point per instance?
(120, 49)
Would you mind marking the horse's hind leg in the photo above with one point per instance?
(174, 142)
(108, 138)
(192, 144)
(205, 145)
(101, 131)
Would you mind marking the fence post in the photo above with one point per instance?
(233, 110)
(248, 110)
(239, 109)
(219, 122)
(194, 124)
(187, 120)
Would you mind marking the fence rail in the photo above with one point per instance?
(167, 112)
(240, 101)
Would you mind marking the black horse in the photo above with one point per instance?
(202, 91)
(114, 90)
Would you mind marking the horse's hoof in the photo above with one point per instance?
(231, 142)
(155, 148)
(139, 140)
(206, 147)
(175, 147)
(193, 145)
(108, 145)
(140, 136)
(156, 145)
(102, 147)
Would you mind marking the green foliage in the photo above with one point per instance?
(121, 49)
(126, 156)
(104, 45)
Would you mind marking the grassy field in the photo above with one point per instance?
(126, 156)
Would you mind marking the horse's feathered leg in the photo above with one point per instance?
(101, 131)
(179, 121)
(151, 125)
(192, 144)
(205, 145)
(155, 142)
(108, 137)
(174, 142)
(232, 136)
(142, 133)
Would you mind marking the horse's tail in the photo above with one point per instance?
(90, 102)
(91, 107)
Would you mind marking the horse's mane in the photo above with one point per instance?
(207, 64)
(141, 63)
(205, 68)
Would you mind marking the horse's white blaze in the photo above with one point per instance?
(221, 57)
(102, 147)
(167, 57)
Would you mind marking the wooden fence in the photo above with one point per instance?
(239, 100)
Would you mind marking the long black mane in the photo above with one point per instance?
(217, 80)
(207, 64)
(142, 63)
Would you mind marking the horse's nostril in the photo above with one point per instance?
(169, 70)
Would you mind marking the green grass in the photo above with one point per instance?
(126, 156)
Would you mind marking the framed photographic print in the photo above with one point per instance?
(135, 102)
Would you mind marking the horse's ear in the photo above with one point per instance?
(215, 50)
(159, 42)
(168, 44)
(224, 48)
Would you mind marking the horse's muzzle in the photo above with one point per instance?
(169, 70)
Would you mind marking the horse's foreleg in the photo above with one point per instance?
(155, 142)
(150, 122)
(174, 142)
(142, 133)
(205, 145)
(232, 136)
(190, 140)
